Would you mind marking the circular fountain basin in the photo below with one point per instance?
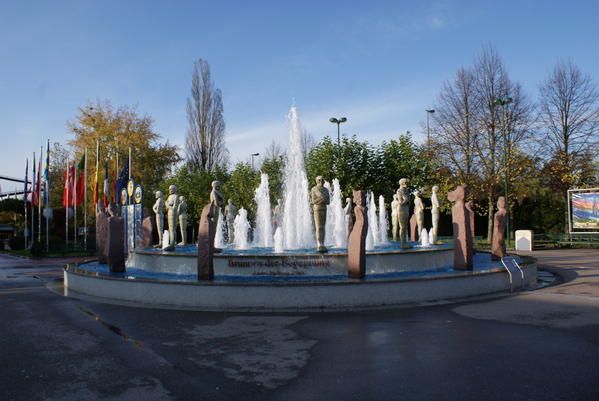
(302, 262)
(258, 280)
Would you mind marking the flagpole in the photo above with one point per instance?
(31, 204)
(85, 201)
(25, 200)
(116, 174)
(67, 207)
(75, 231)
(129, 163)
(47, 193)
(96, 192)
(39, 198)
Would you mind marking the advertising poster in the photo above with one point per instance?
(585, 210)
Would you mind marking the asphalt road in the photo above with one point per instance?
(540, 345)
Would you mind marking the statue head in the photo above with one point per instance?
(279, 201)
(216, 185)
(348, 200)
(501, 202)
(181, 198)
(230, 202)
(101, 207)
(158, 194)
(435, 189)
(457, 194)
(395, 197)
(360, 198)
(403, 182)
(319, 181)
(172, 189)
(417, 193)
(113, 210)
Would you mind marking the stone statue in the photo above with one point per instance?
(403, 197)
(215, 196)
(183, 220)
(147, 230)
(172, 207)
(158, 209)
(395, 217)
(471, 213)
(320, 199)
(115, 241)
(206, 234)
(230, 213)
(462, 236)
(419, 211)
(356, 248)
(413, 228)
(101, 232)
(349, 216)
(498, 244)
(435, 213)
(278, 215)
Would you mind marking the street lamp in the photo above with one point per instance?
(254, 155)
(429, 112)
(338, 121)
(504, 103)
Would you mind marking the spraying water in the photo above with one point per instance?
(263, 236)
(383, 222)
(329, 238)
(338, 228)
(241, 227)
(424, 238)
(369, 239)
(278, 240)
(297, 219)
(219, 238)
(373, 221)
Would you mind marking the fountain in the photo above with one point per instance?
(241, 228)
(298, 231)
(281, 268)
(383, 222)
(263, 236)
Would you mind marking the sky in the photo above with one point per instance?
(378, 63)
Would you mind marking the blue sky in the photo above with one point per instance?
(378, 63)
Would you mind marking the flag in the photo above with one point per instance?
(122, 179)
(69, 181)
(38, 182)
(47, 177)
(33, 185)
(96, 177)
(25, 191)
(106, 189)
(80, 177)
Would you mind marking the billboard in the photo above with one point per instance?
(584, 210)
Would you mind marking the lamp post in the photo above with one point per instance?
(429, 112)
(338, 121)
(254, 155)
(504, 103)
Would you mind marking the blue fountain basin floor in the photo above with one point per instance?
(391, 246)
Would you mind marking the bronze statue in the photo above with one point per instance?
(115, 241)
(101, 232)
(462, 235)
(206, 234)
(498, 243)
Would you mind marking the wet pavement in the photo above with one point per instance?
(540, 345)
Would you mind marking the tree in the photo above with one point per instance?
(205, 139)
(569, 114)
(455, 126)
(241, 186)
(117, 130)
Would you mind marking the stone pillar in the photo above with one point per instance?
(471, 214)
(413, 228)
(147, 229)
(115, 242)
(356, 249)
(206, 234)
(462, 236)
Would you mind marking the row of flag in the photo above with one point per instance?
(75, 187)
